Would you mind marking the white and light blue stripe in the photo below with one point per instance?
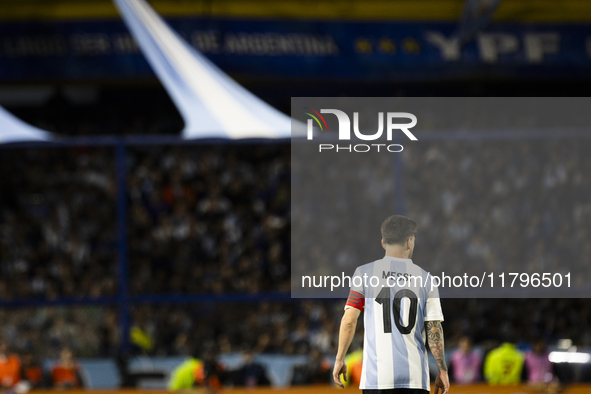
(395, 360)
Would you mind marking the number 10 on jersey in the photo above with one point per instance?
(393, 307)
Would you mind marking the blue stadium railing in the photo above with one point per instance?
(124, 300)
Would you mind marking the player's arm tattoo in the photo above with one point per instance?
(436, 343)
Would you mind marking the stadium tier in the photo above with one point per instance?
(155, 213)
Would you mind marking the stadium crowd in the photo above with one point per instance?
(229, 212)
(207, 220)
(284, 327)
(58, 228)
(512, 206)
(224, 207)
(482, 206)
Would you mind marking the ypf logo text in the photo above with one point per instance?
(344, 132)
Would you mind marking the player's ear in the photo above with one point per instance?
(383, 244)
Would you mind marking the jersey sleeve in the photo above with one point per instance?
(357, 293)
(433, 311)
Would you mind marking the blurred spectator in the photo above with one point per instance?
(251, 374)
(194, 372)
(141, 339)
(127, 378)
(466, 362)
(317, 370)
(213, 374)
(32, 370)
(65, 374)
(185, 376)
(503, 365)
(539, 369)
(354, 361)
(10, 367)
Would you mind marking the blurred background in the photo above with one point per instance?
(130, 257)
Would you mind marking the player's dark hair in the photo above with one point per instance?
(397, 229)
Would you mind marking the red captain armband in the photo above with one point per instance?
(356, 300)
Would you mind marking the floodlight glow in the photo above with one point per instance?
(569, 357)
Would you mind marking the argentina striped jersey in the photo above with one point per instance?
(397, 298)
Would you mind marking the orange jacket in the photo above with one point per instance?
(63, 375)
(10, 371)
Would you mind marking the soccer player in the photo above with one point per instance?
(402, 311)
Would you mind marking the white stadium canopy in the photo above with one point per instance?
(12, 129)
(210, 102)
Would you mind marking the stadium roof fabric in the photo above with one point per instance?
(210, 102)
(12, 129)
